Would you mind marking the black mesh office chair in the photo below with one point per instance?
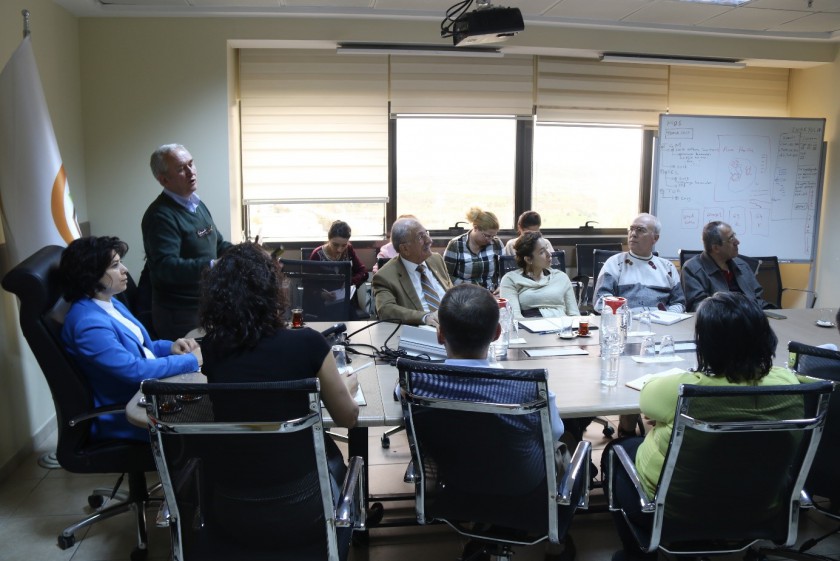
(245, 472)
(585, 259)
(769, 276)
(322, 287)
(686, 254)
(485, 464)
(558, 260)
(36, 282)
(305, 252)
(822, 485)
(720, 440)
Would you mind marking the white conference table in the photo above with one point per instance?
(574, 379)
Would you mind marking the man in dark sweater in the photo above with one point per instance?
(180, 240)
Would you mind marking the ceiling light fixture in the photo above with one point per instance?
(415, 50)
(630, 58)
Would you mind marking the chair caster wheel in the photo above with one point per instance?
(66, 542)
(385, 441)
(96, 501)
(608, 432)
(374, 514)
(139, 554)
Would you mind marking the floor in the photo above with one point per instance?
(37, 503)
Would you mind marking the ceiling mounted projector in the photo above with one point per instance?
(485, 24)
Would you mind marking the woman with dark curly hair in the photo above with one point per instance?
(535, 289)
(111, 347)
(241, 308)
(735, 347)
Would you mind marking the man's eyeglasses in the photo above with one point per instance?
(640, 230)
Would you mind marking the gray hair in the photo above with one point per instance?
(657, 225)
(401, 231)
(711, 234)
(158, 160)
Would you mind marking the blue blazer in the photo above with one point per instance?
(114, 362)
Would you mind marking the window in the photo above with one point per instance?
(583, 173)
(445, 165)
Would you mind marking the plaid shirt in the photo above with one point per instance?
(480, 268)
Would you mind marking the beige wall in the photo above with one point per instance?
(26, 407)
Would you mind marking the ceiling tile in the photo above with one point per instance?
(817, 23)
(753, 19)
(596, 9)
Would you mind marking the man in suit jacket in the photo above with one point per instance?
(397, 287)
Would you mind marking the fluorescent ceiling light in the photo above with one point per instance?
(627, 58)
(416, 50)
(721, 2)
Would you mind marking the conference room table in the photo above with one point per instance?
(575, 379)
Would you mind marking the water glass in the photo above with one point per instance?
(644, 322)
(648, 348)
(566, 327)
(666, 347)
(339, 353)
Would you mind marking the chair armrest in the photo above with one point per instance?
(578, 471)
(805, 500)
(348, 511)
(630, 469)
(98, 412)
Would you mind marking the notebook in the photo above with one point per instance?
(667, 318)
(639, 383)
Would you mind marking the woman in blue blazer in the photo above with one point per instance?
(110, 346)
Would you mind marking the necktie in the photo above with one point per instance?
(429, 293)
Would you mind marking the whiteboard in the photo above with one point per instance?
(762, 176)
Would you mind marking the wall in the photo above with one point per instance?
(26, 407)
(813, 93)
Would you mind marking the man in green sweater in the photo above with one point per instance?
(180, 240)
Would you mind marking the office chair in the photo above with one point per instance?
(720, 440)
(507, 263)
(686, 254)
(37, 284)
(380, 262)
(822, 482)
(245, 472)
(483, 457)
(769, 276)
(558, 260)
(312, 280)
(305, 252)
(585, 259)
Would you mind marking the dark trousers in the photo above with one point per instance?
(626, 497)
(173, 324)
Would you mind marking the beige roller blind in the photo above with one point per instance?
(590, 91)
(314, 124)
(462, 85)
(752, 91)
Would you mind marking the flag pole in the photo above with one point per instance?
(26, 31)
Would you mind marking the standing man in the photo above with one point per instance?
(180, 240)
(719, 269)
(410, 288)
(645, 280)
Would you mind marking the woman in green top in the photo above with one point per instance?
(735, 347)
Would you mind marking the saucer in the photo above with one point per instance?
(572, 336)
(824, 323)
(587, 336)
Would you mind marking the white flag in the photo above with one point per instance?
(34, 196)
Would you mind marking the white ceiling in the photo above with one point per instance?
(795, 19)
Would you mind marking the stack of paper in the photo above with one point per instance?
(640, 382)
(667, 318)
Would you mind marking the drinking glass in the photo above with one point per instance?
(644, 322)
(666, 347)
(648, 348)
(339, 353)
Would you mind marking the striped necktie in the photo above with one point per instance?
(429, 292)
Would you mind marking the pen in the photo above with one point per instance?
(655, 316)
(362, 367)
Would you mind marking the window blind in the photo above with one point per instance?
(314, 124)
(753, 91)
(462, 85)
(590, 91)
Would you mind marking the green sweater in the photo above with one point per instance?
(179, 244)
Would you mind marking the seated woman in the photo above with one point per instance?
(241, 308)
(735, 347)
(535, 289)
(111, 347)
(528, 221)
(338, 248)
(473, 257)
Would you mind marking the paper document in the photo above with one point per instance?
(657, 358)
(555, 351)
(667, 318)
(338, 294)
(640, 382)
(546, 325)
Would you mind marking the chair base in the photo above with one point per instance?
(138, 500)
